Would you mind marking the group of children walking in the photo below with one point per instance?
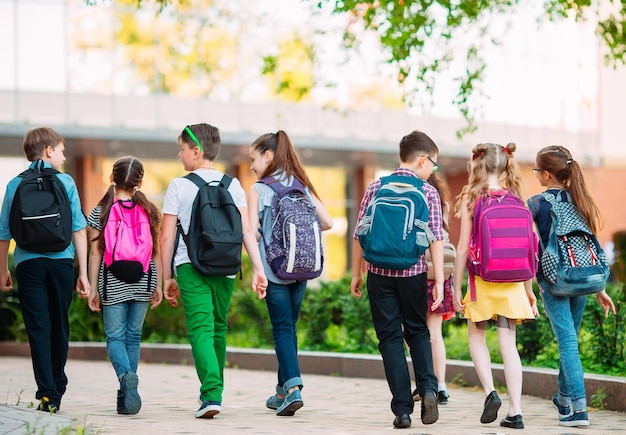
(408, 305)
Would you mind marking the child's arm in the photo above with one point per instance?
(168, 235)
(436, 257)
(259, 281)
(357, 269)
(6, 284)
(322, 213)
(528, 286)
(253, 211)
(95, 259)
(157, 296)
(80, 244)
(461, 257)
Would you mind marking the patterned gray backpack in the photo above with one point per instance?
(294, 251)
(573, 263)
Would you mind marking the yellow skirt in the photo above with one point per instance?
(493, 299)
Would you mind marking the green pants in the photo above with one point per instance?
(206, 300)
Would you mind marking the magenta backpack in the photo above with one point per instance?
(127, 241)
(503, 245)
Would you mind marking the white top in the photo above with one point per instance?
(178, 201)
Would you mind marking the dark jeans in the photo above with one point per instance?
(283, 304)
(45, 289)
(399, 307)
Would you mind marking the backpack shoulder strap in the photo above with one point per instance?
(280, 188)
(196, 179)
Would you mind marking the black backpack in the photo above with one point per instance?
(215, 232)
(41, 215)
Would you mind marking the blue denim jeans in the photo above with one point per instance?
(123, 324)
(399, 307)
(565, 314)
(283, 304)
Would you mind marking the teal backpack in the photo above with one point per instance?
(394, 231)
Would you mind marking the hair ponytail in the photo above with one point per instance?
(285, 160)
(558, 161)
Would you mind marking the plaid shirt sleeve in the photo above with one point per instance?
(367, 197)
(435, 220)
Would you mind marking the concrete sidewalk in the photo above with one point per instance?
(333, 405)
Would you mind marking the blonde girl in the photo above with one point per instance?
(491, 170)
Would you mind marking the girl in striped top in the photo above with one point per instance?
(124, 304)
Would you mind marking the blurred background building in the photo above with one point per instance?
(116, 80)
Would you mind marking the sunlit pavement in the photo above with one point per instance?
(332, 405)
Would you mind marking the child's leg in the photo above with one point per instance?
(565, 315)
(223, 289)
(115, 326)
(45, 293)
(512, 367)
(438, 346)
(135, 318)
(283, 305)
(480, 355)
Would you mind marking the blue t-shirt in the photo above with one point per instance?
(78, 218)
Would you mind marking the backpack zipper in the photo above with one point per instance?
(43, 216)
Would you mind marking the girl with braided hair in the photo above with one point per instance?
(493, 173)
(559, 173)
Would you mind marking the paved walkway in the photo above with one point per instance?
(333, 405)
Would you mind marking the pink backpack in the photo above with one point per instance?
(128, 241)
(503, 246)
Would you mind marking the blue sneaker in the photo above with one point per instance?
(208, 409)
(274, 402)
(564, 411)
(291, 404)
(578, 418)
(132, 401)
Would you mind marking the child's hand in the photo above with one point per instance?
(606, 303)
(157, 297)
(6, 284)
(438, 292)
(94, 301)
(458, 301)
(355, 286)
(83, 287)
(259, 284)
(171, 291)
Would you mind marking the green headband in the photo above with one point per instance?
(194, 138)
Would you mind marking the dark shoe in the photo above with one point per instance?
(514, 422)
(46, 405)
(578, 418)
(208, 409)
(402, 421)
(293, 402)
(430, 412)
(442, 397)
(490, 411)
(564, 411)
(121, 408)
(132, 401)
(416, 396)
(274, 402)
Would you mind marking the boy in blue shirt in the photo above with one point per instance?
(46, 279)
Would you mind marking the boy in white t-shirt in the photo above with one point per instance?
(206, 299)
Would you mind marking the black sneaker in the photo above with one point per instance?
(132, 400)
(46, 405)
(514, 422)
(491, 407)
(442, 397)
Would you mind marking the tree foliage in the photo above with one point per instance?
(425, 38)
